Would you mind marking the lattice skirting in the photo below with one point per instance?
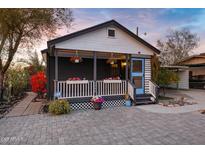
(84, 103)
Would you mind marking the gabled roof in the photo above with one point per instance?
(99, 26)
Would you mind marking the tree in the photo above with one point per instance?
(20, 28)
(16, 80)
(35, 64)
(166, 77)
(155, 65)
(177, 46)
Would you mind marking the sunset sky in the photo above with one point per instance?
(155, 22)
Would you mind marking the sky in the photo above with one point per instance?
(156, 23)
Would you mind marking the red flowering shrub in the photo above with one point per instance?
(38, 83)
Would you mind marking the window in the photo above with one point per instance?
(111, 33)
(137, 80)
(137, 66)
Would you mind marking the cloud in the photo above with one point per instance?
(155, 22)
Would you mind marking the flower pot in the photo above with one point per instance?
(128, 103)
(97, 106)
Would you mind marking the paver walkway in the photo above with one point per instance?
(119, 125)
(25, 107)
(195, 95)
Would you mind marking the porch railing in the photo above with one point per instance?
(153, 90)
(109, 87)
(74, 89)
(85, 88)
(131, 90)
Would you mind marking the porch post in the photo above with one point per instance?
(56, 64)
(94, 70)
(56, 72)
(126, 72)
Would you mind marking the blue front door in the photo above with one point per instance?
(137, 74)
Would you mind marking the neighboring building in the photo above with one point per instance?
(183, 74)
(196, 64)
(108, 58)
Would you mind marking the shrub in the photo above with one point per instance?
(38, 83)
(166, 77)
(16, 80)
(59, 107)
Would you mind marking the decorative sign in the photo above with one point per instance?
(58, 94)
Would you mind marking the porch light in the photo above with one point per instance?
(112, 62)
(123, 64)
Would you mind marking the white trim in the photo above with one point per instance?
(112, 81)
(77, 82)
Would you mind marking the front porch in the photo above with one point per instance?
(101, 74)
(96, 74)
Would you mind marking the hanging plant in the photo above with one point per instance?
(76, 58)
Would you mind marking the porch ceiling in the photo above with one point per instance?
(89, 54)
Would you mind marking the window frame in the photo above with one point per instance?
(114, 32)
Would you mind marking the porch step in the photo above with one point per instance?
(144, 95)
(143, 99)
(144, 102)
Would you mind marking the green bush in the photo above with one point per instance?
(166, 77)
(59, 107)
(16, 80)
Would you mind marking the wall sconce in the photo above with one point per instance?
(112, 62)
(123, 64)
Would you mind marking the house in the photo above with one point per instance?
(196, 64)
(104, 60)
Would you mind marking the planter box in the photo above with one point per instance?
(112, 81)
(77, 82)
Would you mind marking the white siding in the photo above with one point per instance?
(183, 80)
(147, 74)
(99, 41)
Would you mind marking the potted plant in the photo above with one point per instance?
(97, 102)
(128, 102)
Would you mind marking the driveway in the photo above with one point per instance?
(193, 95)
(118, 125)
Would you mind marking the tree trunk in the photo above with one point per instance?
(1, 85)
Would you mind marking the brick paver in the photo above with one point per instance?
(119, 125)
(23, 107)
